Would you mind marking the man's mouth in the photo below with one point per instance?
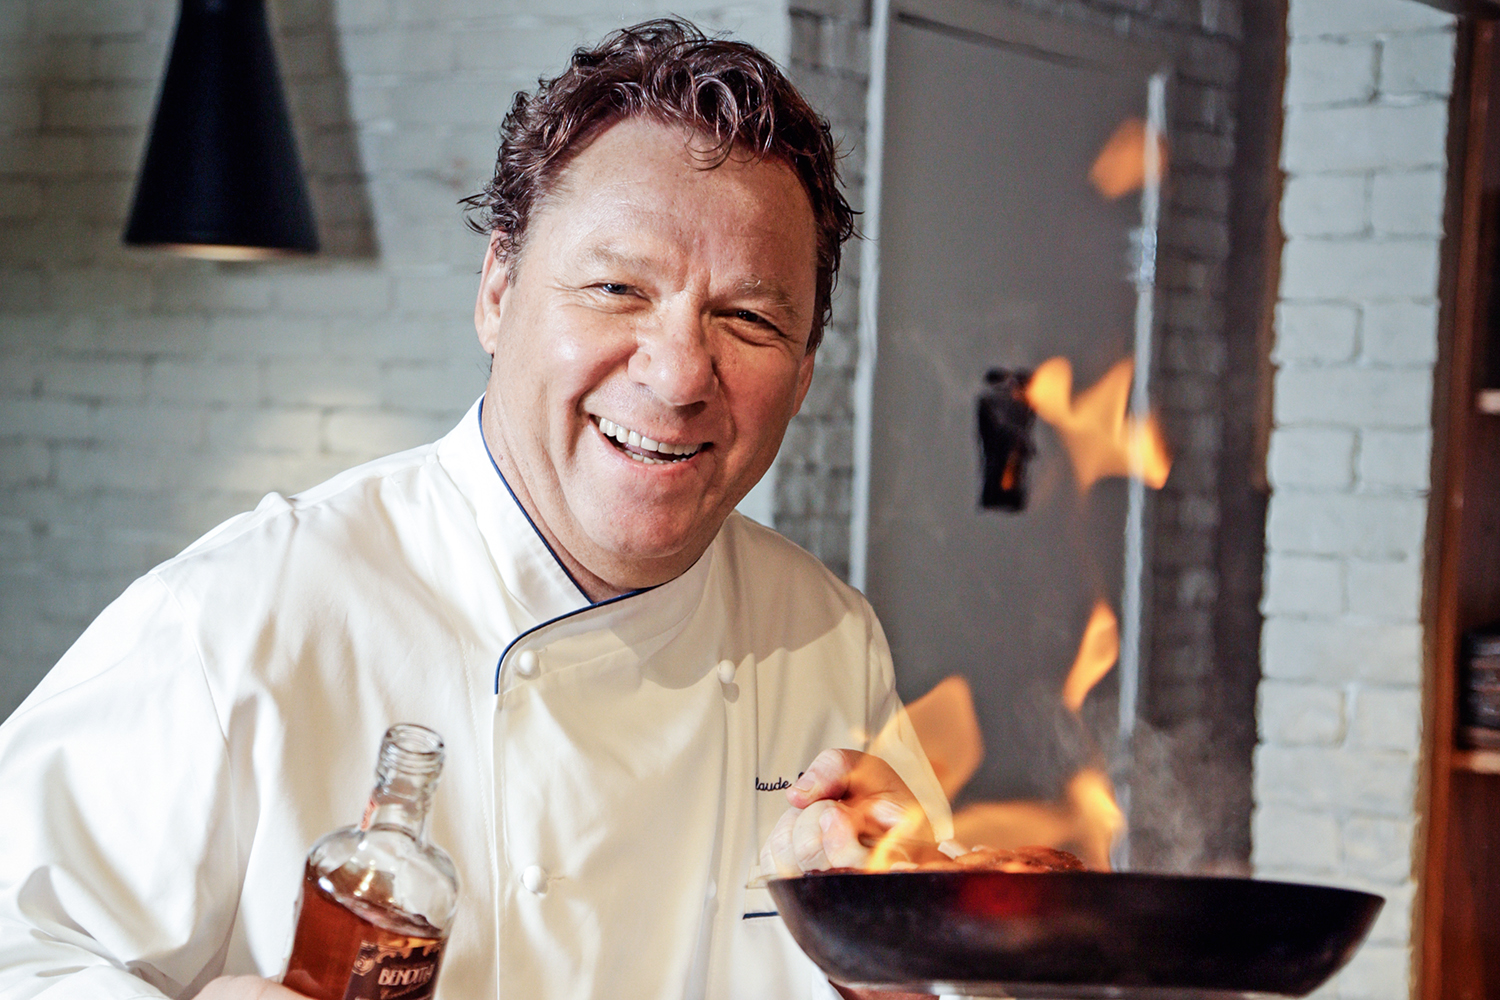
(644, 449)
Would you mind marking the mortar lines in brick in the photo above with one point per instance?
(1356, 349)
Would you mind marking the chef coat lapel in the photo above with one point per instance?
(529, 571)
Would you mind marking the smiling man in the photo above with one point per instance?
(649, 702)
(651, 340)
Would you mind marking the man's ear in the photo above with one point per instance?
(494, 280)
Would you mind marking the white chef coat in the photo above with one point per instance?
(612, 769)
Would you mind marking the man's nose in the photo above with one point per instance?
(674, 356)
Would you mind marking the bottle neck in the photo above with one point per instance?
(402, 811)
(411, 758)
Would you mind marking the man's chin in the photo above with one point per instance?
(638, 558)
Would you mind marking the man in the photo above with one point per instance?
(628, 675)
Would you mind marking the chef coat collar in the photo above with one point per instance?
(528, 567)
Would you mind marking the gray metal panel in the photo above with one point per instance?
(995, 250)
(1048, 38)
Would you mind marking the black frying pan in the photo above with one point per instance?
(1073, 934)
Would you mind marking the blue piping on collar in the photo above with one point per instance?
(543, 539)
(553, 621)
(479, 415)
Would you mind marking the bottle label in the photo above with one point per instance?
(382, 972)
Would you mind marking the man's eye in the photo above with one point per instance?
(615, 288)
(751, 317)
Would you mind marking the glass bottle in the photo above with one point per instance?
(377, 899)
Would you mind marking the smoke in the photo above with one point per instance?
(1177, 819)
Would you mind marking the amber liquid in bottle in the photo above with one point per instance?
(377, 899)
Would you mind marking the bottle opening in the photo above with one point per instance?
(412, 749)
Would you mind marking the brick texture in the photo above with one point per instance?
(830, 62)
(1340, 703)
(145, 398)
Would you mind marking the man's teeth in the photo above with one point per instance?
(633, 439)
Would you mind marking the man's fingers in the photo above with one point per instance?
(807, 837)
(866, 783)
(777, 854)
(843, 805)
(842, 844)
(845, 774)
(822, 836)
(827, 835)
(827, 777)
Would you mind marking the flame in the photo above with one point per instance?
(1097, 652)
(947, 727)
(1101, 440)
(1085, 820)
(1100, 821)
(891, 847)
(1121, 166)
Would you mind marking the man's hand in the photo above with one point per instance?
(842, 806)
(246, 988)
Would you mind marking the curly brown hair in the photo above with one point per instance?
(668, 70)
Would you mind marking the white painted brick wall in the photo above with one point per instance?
(1340, 701)
(145, 398)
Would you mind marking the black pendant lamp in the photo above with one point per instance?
(221, 178)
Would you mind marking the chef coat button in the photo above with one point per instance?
(534, 879)
(726, 671)
(526, 664)
(713, 889)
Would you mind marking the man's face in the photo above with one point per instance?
(650, 347)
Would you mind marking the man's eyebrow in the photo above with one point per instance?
(772, 291)
(612, 256)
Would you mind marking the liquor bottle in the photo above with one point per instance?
(377, 899)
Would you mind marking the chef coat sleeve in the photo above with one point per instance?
(119, 867)
(894, 740)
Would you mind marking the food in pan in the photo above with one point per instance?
(1020, 859)
(993, 859)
